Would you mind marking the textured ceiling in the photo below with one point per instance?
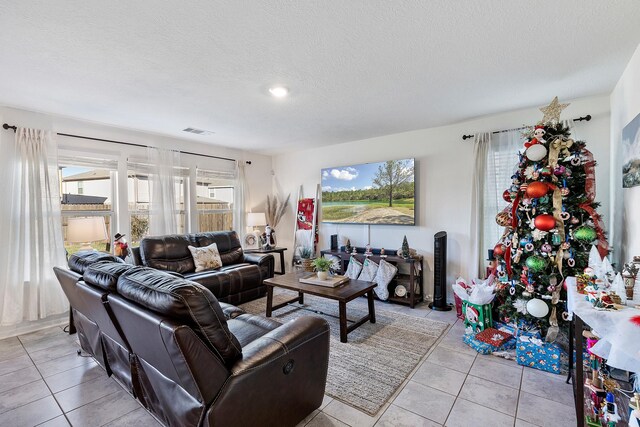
(355, 69)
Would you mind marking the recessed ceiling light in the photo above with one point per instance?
(279, 91)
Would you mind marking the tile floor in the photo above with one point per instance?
(44, 382)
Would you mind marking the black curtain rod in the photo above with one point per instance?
(7, 127)
(579, 119)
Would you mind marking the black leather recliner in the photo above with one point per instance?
(193, 361)
(239, 280)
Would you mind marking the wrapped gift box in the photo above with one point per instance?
(476, 317)
(522, 329)
(484, 348)
(534, 353)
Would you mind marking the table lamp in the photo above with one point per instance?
(86, 230)
(255, 220)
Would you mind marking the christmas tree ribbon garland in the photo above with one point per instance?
(590, 191)
(557, 146)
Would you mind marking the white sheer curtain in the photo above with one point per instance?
(239, 200)
(496, 160)
(32, 242)
(165, 165)
(481, 149)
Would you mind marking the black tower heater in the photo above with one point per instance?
(440, 273)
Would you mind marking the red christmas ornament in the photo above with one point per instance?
(537, 189)
(506, 196)
(498, 250)
(544, 222)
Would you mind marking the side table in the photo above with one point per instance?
(274, 250)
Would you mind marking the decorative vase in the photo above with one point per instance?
(306, 264)
(322, 275)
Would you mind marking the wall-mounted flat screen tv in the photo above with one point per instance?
(370, 193)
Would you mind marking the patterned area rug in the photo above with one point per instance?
(366, 371)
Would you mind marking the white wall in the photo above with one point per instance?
(444, 168)
(258, 174)
(625, 203)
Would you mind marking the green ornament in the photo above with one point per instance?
(585, 234)
(536, 263)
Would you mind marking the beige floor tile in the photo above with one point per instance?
(138, 418)
(54, 352)
(491, 395)
(11, 348)
(349, 415)
(396, 416)
(451, 359)
(40, 334)
(325, 401)
(75, 376)
(497, 372)
(62, 364)
(425, 401)
(19, 378)
(443, 316)
(453, 341)
(308, 418)
(31, 414)
(544, 412)
(497, 359)
(87, 392)
(324, 420)
(547, 385)
(23, 394)
(469, 414)
(103, 410)
(49, 342)
(14, 364)
(520, 423)
(439, 377)
(59, 421)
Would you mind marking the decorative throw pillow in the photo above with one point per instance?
(369, 269)
(353, 269)
(206, 257)
(385, 273)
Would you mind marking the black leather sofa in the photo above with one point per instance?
(240, 279)
(190, 360)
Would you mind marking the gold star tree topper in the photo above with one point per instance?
(552, 111)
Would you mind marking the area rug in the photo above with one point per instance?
(366, 371)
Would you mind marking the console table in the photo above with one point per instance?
(410, 281)
(270, 251)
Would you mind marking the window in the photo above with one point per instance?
(140, 193)
(215, 200)
(87, 187)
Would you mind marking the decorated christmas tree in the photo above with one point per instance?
(550, 224)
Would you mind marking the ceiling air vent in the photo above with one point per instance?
(198, 131)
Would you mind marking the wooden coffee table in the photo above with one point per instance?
(342, 293)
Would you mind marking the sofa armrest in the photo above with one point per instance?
(307, 330)
(283, 372)
(261, 260)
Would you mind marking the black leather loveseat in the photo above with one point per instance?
(240, 279)
(189, 359)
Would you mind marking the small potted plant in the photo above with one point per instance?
(322, 265)
(305, 255)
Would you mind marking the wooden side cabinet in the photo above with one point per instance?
(412, 281)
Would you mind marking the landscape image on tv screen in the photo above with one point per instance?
(370, 193)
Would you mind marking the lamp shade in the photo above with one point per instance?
(256, 219)
(86, 229)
